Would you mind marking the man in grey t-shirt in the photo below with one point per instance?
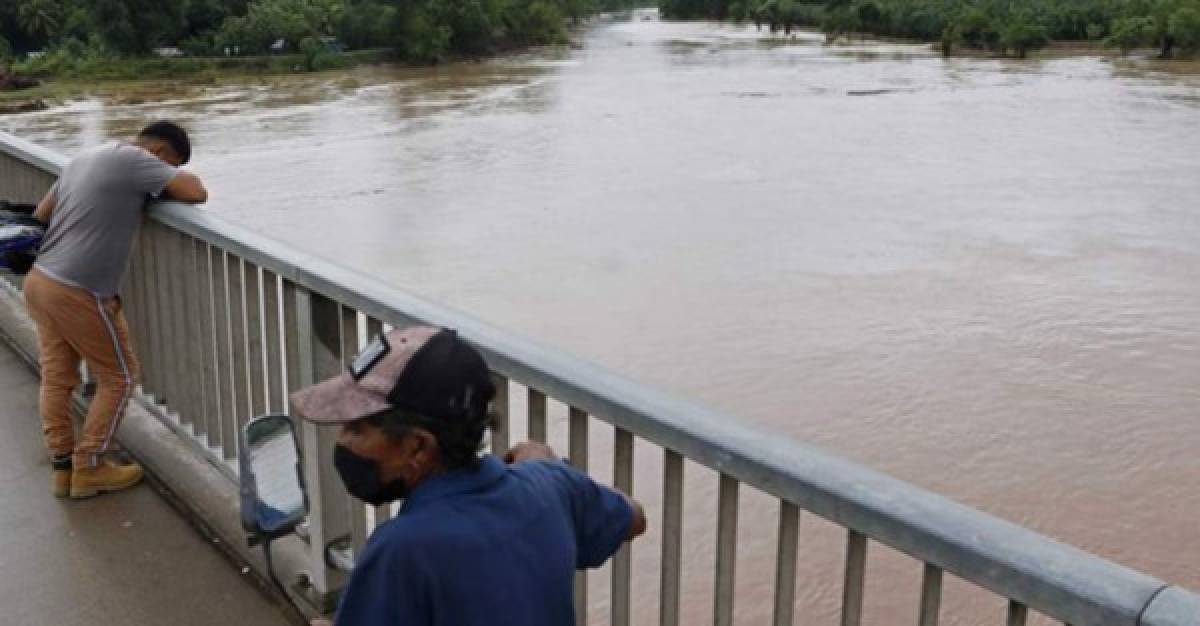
(93, 213)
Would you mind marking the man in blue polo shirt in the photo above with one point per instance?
(478, 540)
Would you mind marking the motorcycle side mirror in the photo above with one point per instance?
(273, 498)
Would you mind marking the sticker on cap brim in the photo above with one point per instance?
(369, 357)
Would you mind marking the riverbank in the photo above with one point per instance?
(125, 75)
(1052, 50)
(124, 68)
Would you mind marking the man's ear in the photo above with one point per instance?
(425, 446)
(167, 154)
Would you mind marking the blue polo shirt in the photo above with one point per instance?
(499, 545)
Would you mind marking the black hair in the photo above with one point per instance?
(459, 440)
(173, 134)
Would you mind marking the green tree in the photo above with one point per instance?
(976, 29)
(267, 21)
(1003, 26)
(135, 27)
(472, 24)
(368, 24)
(870, 16)
(1184, 28)
(1130, 32)
(422, 38)
(1022, 33)
(40, 17)
(317, 54)
(114, 25)
(77, 23)
(540, 23)
(1161, 12)
(839, 22)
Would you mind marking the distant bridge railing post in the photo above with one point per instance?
(227, 321)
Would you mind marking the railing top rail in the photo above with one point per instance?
(1059, 580)
(38, 156)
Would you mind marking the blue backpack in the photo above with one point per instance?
(20, 237)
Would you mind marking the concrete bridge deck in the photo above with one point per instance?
(125, 558)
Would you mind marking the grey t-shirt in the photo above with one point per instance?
(101, 195)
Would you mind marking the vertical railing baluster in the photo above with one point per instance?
(190, 406)
(383, 512)
(348, 333)
(622, 562)
(255, 347)
(312, 327)
(931, 596)
(296, 370)
(141, 294)
(151, 374)
(177, 368)
(237, 339)
(225, 436)
(186, 393)
(131, 302)
(785, 563)
(672, 542)
(537, 415)
(1017, 613)
(145, 293)
(208, 355)
(272, 326)
(856, 569)
(501, 409)
(727, 522)
(176, 320)
(196, 333)
(126, 294)
(577, 436)
(577, 454)
(162, 313)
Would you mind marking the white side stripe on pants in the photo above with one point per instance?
(116, 419)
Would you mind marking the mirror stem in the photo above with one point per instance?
(271, 571)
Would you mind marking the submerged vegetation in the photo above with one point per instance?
(97, 38)
(1006, 27)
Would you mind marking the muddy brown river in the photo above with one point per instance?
(980, 276)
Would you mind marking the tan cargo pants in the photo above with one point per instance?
(74, 324)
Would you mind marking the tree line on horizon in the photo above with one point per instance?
(418, 30)
(1006, 27)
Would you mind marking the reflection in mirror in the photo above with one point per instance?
(280, 499)
(273, 499)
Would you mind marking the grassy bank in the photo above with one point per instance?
(62, 79)
(110, 69)
(1000, 27)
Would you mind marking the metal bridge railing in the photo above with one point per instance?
(227, 321)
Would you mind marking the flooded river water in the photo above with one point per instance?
(980, 276)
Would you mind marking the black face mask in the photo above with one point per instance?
(360, 475)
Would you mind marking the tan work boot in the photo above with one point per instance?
(60, 484)
(105, 477)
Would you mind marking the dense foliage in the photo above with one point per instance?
(1003, 26)
(421, 30)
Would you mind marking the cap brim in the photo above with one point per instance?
(337, 401)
